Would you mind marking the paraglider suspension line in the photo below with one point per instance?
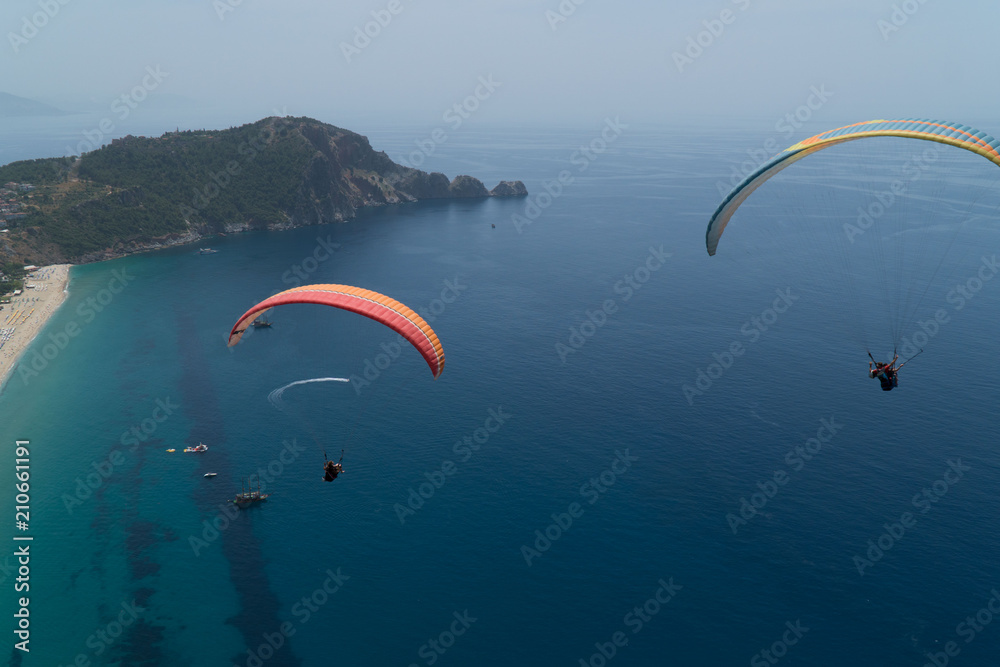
(911, 358)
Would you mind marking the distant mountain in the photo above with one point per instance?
(12, 106)
(141, 193)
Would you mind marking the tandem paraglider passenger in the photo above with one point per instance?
(331, 469)
(887, 373)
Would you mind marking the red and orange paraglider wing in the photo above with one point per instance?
(365, 302)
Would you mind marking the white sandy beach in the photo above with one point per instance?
(24, 317)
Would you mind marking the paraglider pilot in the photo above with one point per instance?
(887, 373)
(331, 469)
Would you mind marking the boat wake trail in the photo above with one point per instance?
(754, 413)
(275, 396)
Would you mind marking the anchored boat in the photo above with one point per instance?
(247, 496)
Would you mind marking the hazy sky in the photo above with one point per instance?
(553, 61)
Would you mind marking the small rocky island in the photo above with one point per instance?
(140, 193)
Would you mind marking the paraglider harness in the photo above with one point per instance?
(331, 469)
(887, 373)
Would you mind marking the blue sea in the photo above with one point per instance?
(637, 454)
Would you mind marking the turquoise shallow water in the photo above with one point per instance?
(341, 574)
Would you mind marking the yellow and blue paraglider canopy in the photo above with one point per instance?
(961, 136)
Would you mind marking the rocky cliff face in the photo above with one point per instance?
(345, 174)
(509, 189)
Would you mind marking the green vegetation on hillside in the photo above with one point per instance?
(13, 277)
(139, 192)
(37, 172)
(139, 188)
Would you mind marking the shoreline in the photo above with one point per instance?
(24, 318)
